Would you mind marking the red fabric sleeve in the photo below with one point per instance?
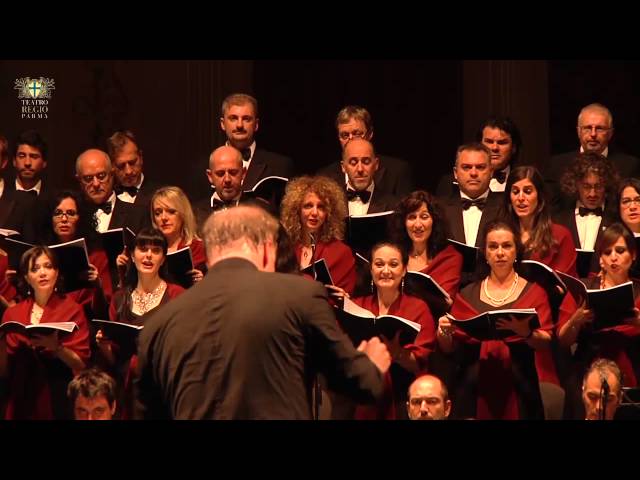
(6, 289)
(446, 268)
(562, 256)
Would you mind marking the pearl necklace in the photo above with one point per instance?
(500, 301)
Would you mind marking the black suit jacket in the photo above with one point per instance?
(202, 208)
(18, 212)
(627, 165)
(267, 164)
(452, 208)
(394, 176)
(147, 189)
(245, 344)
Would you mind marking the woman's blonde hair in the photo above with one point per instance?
(329, 192)
(175, 197)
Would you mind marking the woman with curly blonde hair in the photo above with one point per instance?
(313, 213)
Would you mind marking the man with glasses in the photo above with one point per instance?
(95, 175)
(595, 130)
(590, 181)
(393, 176)
(428, 399)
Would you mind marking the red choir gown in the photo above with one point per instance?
(398, 379)
(498, 379)
(446, 268)
(340, 262)
(561, 257)
(620, 343)
(6, 289)
(86, 297)
(126, 361)
(37, 380)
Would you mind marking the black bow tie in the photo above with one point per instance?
(105, 207)
(467, 204)
(364, 195)
(133, 191)
(220, 205)
(584, 211)
(500, 176)
(246, 154)
(33, 193)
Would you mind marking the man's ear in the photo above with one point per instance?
(257, 124)
(369, 135)
(222, 124)
(209, 175)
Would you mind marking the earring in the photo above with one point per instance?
(402, 286)
(372, 287)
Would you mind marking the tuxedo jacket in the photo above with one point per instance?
(147, 189)
(452, 208)
(18, 212)
(245, 344)
(567, 218)
(267, 164)
(394, 176)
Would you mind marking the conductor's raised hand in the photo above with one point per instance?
(377, 353)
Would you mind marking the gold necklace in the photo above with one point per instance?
(500, 301)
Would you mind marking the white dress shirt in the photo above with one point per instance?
(37, 187)
(356, 206)
(496, 186)
(126, 196)
(471, 219)
(588, 228)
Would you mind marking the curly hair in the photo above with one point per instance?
(176, 198)
(541, 239)
(437, 241)
(85, 226)
(335, 202)
(584, 164)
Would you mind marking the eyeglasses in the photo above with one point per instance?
(60, 213)
(626, 202)
(590, 128)
(88, 179)
(350, 135)
(588, 187)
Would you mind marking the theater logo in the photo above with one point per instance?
(34, 93)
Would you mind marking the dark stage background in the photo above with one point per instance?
(422, 110)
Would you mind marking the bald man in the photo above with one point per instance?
(245, 342)
(94, 173)
(428, 399)
(359, 164)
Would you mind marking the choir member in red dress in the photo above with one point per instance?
(171, 213)
(498, 379)
(68, 219)
(39, 367)
(616, 251)
(526, 205)
(313, 212)
(388, 268)
(145, 290)
(421, 229)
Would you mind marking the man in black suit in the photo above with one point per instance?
(246, 343)
(225, 174)
(475, 205)
(359, 164)
(590, 180)
(502, 137)
(394, 175)
(16, 208)
(95, 175)
(239, 120)
(131, 185)
(595, 130)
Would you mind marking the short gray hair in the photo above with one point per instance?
(253, 224)
(604, 366)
